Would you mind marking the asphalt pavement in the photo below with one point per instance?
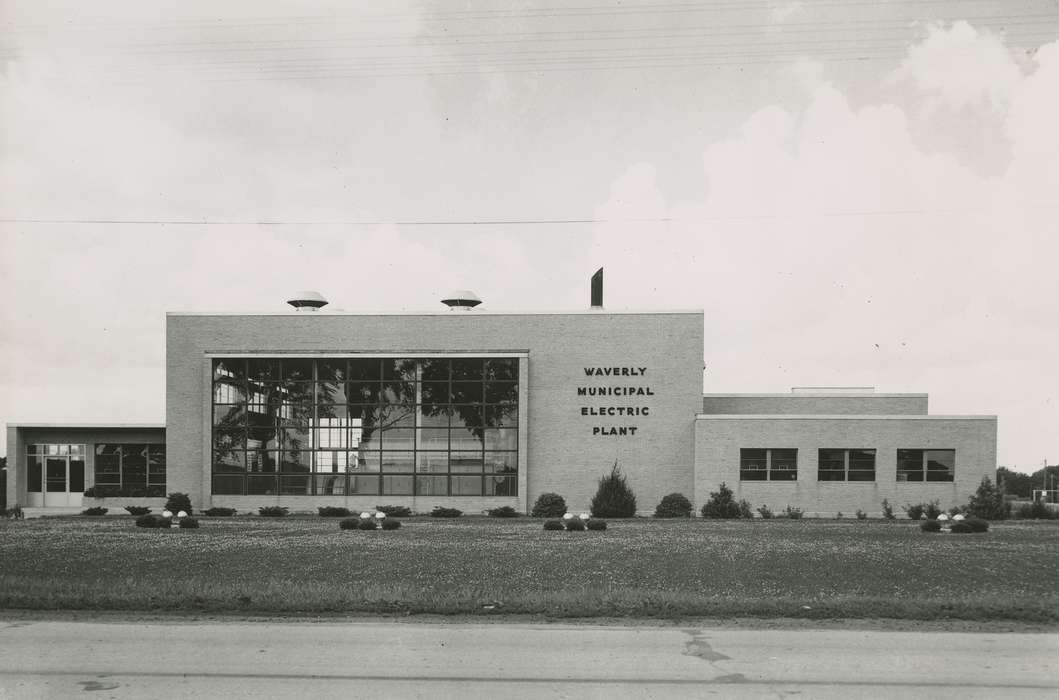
(320, 660)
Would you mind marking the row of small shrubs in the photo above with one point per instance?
(159, 521)
(368, 524)
(575, 524)
(968, 525)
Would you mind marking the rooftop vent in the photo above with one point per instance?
(307, 301)
(461, 300)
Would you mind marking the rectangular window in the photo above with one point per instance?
(773, 464)
(391, 426)
(846, 465)
(136, 469)
(926, 465)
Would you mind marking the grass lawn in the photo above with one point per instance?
(637, 568)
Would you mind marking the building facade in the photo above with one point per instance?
(476, 410)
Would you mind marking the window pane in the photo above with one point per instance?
(501, 439)
(433, 370)
(396, 417)
(501, 462)
(464, 368)
(467, 392)
(398, 461)
(432, 462)
(134, 466)
(501, 486)
(433, 439)
(262, 438)
(331, 393)
(297, 369)
(363, 392)
(435, 393)
(261, 484)
(364, 484)
(297, 392)
(910, 465)
(229, 416)
(501, 416)
(365, 370)
(260, 461)
(432, 485)
(432, 417)
(753, 459)
(296, 438)
(466, 485)
(502, 368)
(400, 370)
(230, 461)
(367, 461)
(862, 465)
(108, 470)
(229, 392)
(35, 474)
(331, 461)
(466, 461)
(295, 461)
(501, 392)
(263, 368)
(55, 475)
(941, 465)
(472, 416)
(398, 393)
(330, 485)
(333, 370)
(397, 485)
(398, 439)
(295, 485)
(234, 368)
(227, 484)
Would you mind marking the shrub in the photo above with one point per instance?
(553, 525)
(838, 515)
(675, 505)
(348, 523)
(152, 521)
(932, 510)
(960, 526)
(595, 524)
(977, 524)
(549, 505)
(721, 504)
(861, 515)
(14, 512)
(367, 524)
(614, 498)
(765, 512)
(333, 512)
(179, 502)
(914, 511)
(503, 512)
(988, 502)
(575, 525)
(888, 510)
(219, 512)
(793, 513)
(391, 524)
(138, 510)
(930, 526)
(272, 511)
(440, 512)
(189, 523)
(95, 510)
(395, 511)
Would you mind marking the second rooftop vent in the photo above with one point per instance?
(307, 301)
(461, 300)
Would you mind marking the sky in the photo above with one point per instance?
(855, 193)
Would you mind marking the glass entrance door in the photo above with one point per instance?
(56, 475)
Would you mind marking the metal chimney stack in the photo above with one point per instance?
(597, 289)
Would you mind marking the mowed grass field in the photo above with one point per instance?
(478, 566)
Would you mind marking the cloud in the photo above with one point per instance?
(832, 248)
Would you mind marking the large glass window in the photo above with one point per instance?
(130, 469)
(926, 465)
(846, 465)
(772, 464)
(373, 426)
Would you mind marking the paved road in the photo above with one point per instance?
(316, 661)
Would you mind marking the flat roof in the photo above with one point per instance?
(444, 312)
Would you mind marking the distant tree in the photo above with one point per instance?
(1014, 483)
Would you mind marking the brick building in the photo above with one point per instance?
(475, 409)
